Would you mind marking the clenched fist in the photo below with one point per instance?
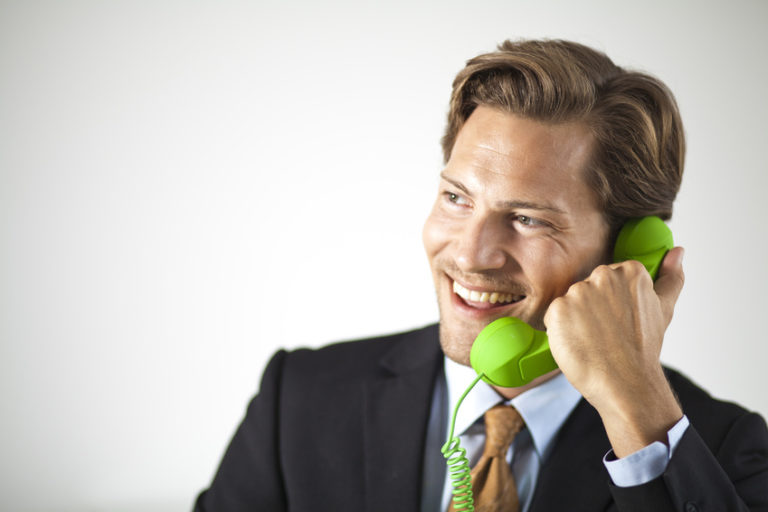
(606, 335)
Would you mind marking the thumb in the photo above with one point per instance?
(670, 281)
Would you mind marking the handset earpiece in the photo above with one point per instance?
(510, 353)
(646, 240)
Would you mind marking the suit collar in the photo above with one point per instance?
(412, 350)
(396, 411)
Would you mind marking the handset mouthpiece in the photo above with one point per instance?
(510, 353)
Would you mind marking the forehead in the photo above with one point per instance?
(502, 154)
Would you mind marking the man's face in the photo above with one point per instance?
(513, 226)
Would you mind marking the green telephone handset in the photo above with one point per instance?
(510, 353)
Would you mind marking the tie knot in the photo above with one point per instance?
(502, 423)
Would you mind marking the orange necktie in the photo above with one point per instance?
(493, 484)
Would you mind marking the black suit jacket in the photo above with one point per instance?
(343, 429)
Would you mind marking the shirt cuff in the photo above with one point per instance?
(647, 463)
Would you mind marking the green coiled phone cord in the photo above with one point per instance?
(458, 464)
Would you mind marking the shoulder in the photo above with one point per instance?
(699, 404)
(714, 419)
(366, 355)
(329, 389)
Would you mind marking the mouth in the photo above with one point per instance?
(485, 299)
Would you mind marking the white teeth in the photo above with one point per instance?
(492, 297)
(460, 290)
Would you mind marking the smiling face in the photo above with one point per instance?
(513, 226)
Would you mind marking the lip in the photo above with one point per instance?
(479, 310)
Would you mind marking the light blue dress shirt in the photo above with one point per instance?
(544, 409)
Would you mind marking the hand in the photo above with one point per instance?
(606, 335)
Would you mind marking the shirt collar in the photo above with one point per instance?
(544, 408)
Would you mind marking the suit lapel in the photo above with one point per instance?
(396, 409)
(573, 477)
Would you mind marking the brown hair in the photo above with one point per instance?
(637, 164)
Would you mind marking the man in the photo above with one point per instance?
(549, 149)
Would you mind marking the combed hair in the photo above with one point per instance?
(637, 162)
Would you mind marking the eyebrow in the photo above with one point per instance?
(528, 205)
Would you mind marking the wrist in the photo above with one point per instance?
(636, 420)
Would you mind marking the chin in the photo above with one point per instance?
(456, 343)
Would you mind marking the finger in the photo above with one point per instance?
(670, 281)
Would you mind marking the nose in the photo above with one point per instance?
(481, 246)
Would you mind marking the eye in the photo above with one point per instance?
(454, 198)
(530, 222)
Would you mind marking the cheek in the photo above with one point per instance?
(550, 269)
(553, 269)
(434, 235)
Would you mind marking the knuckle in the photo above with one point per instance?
(681, 278)
(634, 267)
(635, 274)
(601, 272)
(577, 290)
(555, 309)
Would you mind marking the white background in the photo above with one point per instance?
(187, 186)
